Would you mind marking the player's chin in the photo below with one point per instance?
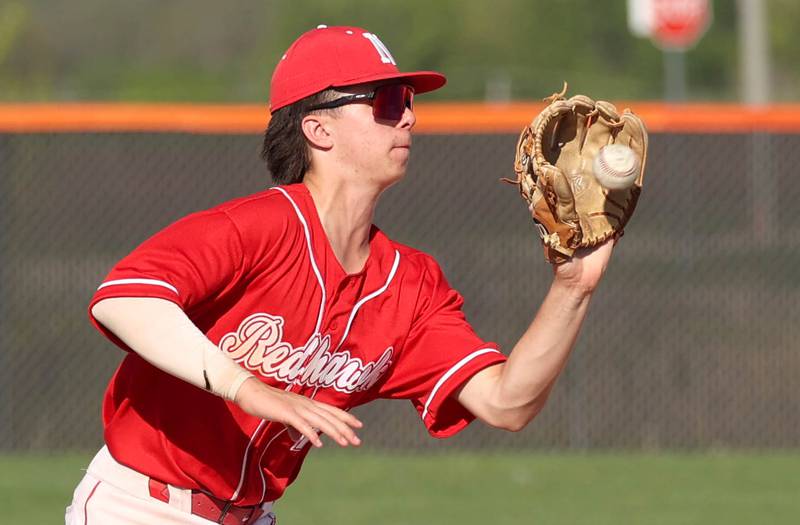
(399, 158)
(395, 173)
(397, 176)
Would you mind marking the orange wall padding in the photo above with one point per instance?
(445, 118)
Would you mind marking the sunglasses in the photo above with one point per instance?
(389, 102)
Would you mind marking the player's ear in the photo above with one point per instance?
(316, 131)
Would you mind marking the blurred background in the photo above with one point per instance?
(680, 403)
(212, 51)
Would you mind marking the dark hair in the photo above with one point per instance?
(286, 150)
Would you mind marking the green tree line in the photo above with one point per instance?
(224, 51)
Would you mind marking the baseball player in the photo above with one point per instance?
(253, 328)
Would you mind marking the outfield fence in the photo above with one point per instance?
(691, 342)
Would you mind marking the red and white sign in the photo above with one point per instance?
(674, 25)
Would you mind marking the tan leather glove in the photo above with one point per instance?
(553, 163)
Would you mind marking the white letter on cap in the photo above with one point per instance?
(383, 51)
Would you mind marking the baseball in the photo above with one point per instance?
(616, 167)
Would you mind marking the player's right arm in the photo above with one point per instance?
(142, 305)
(162, 334)
(511, 394)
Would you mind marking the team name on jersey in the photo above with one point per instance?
(258, 345)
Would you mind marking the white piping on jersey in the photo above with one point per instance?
(455, 368)
(313, 261)
(244, 459)
(373, 295)
(310, 256)
(261, 470)
(153, 282)
(358, 305)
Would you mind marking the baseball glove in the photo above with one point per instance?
(554, 160)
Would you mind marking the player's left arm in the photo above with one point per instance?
(509, 395)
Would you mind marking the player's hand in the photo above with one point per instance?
(585, 269)
(303, 414)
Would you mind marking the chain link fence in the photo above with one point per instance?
(691, 341)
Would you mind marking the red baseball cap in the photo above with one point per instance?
(328, 57)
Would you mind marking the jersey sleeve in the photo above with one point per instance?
(189, 262)
(440, 354)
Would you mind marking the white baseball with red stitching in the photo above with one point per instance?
(616, 167)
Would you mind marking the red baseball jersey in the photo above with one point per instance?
(258, 276)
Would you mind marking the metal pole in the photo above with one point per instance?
(674, 76)
(498, 87)
(754, 52)
(755, 81)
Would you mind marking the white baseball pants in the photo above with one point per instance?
(113, 494)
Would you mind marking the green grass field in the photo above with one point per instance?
(354, 488)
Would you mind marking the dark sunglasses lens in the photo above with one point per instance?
(391, 101)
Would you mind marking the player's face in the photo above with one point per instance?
(374, 140)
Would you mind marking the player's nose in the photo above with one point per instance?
(408, 120)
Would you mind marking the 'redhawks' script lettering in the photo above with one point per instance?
(258, 345)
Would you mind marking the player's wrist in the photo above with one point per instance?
(572, 290)
(245, 392)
